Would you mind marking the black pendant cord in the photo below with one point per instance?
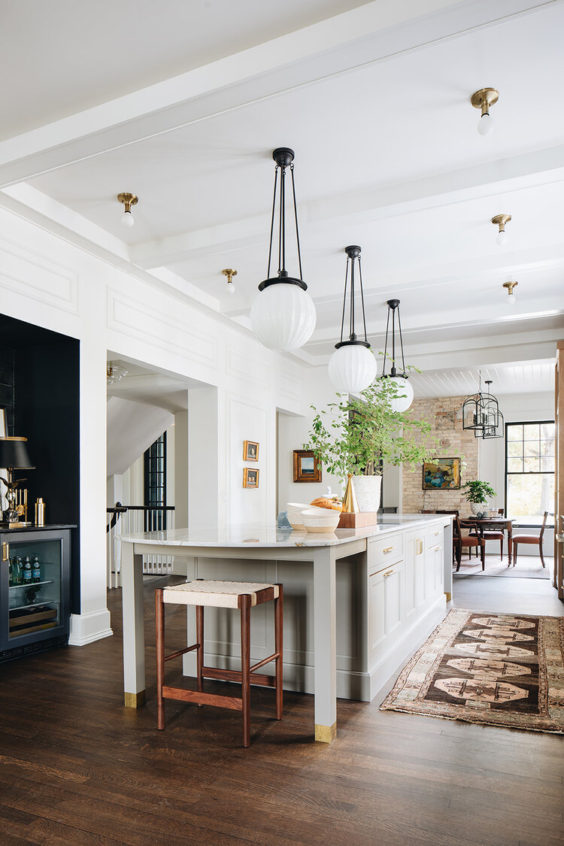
(362, 300)
(352, 333)
(386, 343)
(296, 219)
(272, 222)
(344, 300)
(401, 344)
(282, 224)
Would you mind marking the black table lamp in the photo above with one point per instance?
(13, 456)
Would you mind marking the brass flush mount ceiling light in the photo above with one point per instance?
(511, 291)
(128, 200)
(483, 99)
(500, 220)
(230, 273)
(114, 372)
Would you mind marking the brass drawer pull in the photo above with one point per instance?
(5, 552)
(418, 546)
(388, 549)
(388, 573)
(436, 533)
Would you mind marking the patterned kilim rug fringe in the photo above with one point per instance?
(496, 669)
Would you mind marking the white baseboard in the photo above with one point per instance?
(87, 628)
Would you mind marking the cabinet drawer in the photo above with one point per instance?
(434, 537)
(382, 553)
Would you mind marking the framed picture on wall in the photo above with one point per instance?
(250, 451)
(250, 477)
(441, 474)
(307, 468)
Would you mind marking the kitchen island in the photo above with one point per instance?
(357, 603)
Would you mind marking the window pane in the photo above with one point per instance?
(531, 431)
(547, 430)
(531, 448)
(515, 449)
(547, 447)
(514, 465)
(547, 464)
(531, 465)
(530, 496)
(515, 432)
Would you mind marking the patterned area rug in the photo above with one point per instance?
(497, 669)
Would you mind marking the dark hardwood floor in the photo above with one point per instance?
(78, 768)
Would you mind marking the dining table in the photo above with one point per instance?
(496, 524)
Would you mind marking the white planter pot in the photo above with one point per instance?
(367, 491)
(478, 507)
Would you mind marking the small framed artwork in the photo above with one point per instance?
(441, 474)
(250, 451)
(307, 468)
(250, 477)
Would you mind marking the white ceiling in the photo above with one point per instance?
(375, 102)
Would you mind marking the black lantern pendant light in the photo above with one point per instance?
(352, 367)
(283, 313)
(400, 403)
(493, 421)
(481, 413)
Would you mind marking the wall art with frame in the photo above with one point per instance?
(441, 474)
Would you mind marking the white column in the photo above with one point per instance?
(181, 472)
(325, 644)
(133, 627)
(203, 457)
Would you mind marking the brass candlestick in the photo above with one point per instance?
(350, 505)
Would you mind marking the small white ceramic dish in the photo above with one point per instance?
(294, 514)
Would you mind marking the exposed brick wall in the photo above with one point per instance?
(443, 413)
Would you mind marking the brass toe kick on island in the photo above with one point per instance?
(325, 734)
(134, 700)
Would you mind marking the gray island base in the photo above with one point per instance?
(358, 602)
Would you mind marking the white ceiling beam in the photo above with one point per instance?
(378, 30)
(445, 189)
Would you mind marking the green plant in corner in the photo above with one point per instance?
(353, 436)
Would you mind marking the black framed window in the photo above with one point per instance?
(155, 485)
(529, 470)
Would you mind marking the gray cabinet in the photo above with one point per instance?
(34, 590)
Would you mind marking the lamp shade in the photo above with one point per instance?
(403, 402)
(352, 368)
(13, 454)
(283, 316)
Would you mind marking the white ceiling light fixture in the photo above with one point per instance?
(501, 220)
(283, 314)
(352, 367)
(402, 402)
(128, 200)
(483, 99)
(510, 286)
(230, 273)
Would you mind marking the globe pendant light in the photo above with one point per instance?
(405, 391)
(283, 313)
(352, 367)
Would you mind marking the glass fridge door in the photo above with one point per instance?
(35, 584)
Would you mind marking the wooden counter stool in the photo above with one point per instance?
(216, 594)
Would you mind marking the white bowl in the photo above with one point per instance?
(294, 514)
(321, 519)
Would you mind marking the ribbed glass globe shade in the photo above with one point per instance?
(352, 368)
(402, 403)
(283, 316)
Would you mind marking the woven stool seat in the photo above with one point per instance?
(219, 594)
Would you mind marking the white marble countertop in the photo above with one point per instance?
(257, 535)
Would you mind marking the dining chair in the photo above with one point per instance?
(468, 542)
(496, 534)
(533, 539)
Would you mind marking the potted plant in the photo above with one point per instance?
(355, 436)
(477, 494)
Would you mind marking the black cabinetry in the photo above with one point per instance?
(34, 590)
